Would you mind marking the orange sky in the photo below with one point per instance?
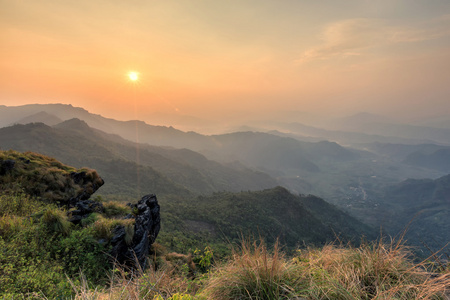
(216, 59)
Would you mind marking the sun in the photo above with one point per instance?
(133, 76)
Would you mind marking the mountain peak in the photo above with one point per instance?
(40, 117)
(73, 124)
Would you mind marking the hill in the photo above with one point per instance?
(126, 165)
(273, 213)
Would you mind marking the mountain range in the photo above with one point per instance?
(135, 157)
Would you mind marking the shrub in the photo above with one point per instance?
(80, 251)
(27, 266)
(203, 259)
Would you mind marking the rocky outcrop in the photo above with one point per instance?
(146, 229)
(89, 184)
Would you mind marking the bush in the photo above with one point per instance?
(80, 251)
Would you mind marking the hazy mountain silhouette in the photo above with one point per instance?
(305, 132)
(399, 152)
(376, 125)
(137, 131)
(75, 143)
(40, 117)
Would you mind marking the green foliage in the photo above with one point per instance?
(26, 264)
(18, 204)
(203, 259)
(10, 224)
(91, 219)
(81, 251)
(36, 256)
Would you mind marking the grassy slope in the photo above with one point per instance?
(39, 245)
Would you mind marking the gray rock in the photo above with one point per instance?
(146, 229)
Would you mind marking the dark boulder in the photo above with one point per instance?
(83, 209)
(146, 229)
(6, 166)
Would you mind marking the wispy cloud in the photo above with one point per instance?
(355, 37)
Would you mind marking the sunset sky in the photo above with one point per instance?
(218, 59)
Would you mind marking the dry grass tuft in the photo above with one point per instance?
(103, 228)
(56, 220)
(254, 273)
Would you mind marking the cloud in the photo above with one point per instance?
(344, 39)
(355, 37)
(435, 29)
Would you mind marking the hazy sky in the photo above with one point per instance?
(220, 59)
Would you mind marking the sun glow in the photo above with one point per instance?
(133, 76)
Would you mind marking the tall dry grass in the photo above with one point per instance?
(372, 271)
(254, 272)
(376, 270)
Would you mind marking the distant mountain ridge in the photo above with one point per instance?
(74, 142)
(318, 167)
